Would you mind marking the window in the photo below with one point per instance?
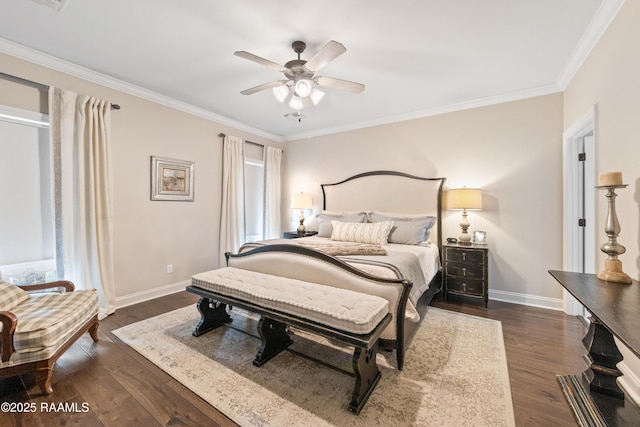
(254, 192)
(27, 231)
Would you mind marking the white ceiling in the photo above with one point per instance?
(416, 58)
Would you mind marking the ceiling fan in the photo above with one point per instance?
(300, 75)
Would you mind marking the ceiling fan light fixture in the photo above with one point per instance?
(303, 87)
(296, 103)
(301, 81)
(316, 96)
(281, 92)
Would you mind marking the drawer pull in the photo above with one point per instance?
(464, 271)
(464, 256)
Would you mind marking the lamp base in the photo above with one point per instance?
(301, 229)
(464, 239)
(613, 272)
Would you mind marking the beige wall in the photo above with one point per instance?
(610, 80)
(148, 235)
(513, 151)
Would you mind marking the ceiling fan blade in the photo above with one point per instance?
(339, 84)
(263, 87)
(259, 60)
(328, 53)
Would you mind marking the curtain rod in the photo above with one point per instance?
(222, 135)
(36, 85)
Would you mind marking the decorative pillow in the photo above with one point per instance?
(367, 232)
(324, 221)
(407, 230)
(11, 295)
(342, 213)
(398, 215)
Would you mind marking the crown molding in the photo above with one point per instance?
(57, 64)
(599, 24)
(476, 103)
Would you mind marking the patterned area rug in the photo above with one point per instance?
(455, 373)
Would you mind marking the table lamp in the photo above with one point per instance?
(301, 201)
(464, 199)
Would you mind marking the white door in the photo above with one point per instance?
(579, 202)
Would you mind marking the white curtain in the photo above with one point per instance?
(232, 221)
(272, 192)
(80, 128)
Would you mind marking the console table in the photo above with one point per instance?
(615, 308)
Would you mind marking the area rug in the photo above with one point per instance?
(455, 373)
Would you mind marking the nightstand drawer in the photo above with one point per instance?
(472, 271)
(466, 272)
(466, 286)
(464, 255)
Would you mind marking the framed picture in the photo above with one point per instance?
(480, 237)
(171, 179)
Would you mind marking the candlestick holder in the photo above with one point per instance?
(612, 265)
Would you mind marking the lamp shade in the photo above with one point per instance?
(296, 102)
(316, 96)
(281, 92)
(464, 198)
(301, 201)
(303, 87)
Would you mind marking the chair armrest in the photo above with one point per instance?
(67, 285)
(9, 322)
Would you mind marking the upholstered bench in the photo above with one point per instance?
(348, 316)
(37, 328)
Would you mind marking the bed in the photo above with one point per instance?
(383, 196)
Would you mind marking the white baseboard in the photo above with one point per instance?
(629, 382)
(147, 295)
(505, 296)
(630, 368)
(524, 299)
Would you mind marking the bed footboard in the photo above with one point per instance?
(309, 265)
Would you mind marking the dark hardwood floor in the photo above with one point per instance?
(112, 385)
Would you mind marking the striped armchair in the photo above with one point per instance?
(36, 328)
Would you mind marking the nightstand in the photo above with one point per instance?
(295, 234)
(466, 272)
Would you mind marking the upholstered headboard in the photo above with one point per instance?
(388, 191)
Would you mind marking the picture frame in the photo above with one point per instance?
(479, 237)
(172, 179)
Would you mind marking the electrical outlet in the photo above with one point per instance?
(169, 268)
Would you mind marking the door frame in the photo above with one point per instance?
(571, 239)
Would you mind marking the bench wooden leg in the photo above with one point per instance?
(213, 314)
(274, 339)
(367, 376)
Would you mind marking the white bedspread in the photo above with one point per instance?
(427, 255)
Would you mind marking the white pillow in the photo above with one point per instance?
(397, 215)
(407, 230)
(375, 233)
(324, 220)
